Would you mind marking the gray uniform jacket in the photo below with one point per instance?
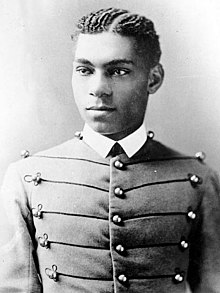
(84, 224)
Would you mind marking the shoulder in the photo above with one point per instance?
(29, 163)
(64, 149)
(174, 163)
(156, 151)
(193, 165)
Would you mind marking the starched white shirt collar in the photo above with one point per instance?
(102, 144)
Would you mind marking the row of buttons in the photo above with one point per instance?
(53, 274)
(199, 155)
(118, 220)
(178, 278)
(44, 242)
(119, 192)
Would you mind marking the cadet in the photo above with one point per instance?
(112, 210)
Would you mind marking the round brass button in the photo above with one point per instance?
(119, 191)
(122, 278)
(150, 134)
(178, 278)
(200, 156)
(25, 154)
(184, 244)
(191, 215)
(195, 180)
(120, 248)
(78, 134)
(118, 164)
(117, 219)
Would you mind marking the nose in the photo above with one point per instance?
(100, 85)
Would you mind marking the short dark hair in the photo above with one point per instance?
(124, 23)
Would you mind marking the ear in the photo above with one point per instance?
(155, 78)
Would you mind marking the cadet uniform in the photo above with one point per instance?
(83, 223)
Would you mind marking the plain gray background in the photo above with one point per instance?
(37, 109)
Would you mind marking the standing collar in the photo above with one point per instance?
(102, 144)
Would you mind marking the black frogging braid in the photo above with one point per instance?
(123, 22)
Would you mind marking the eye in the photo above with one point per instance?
(83, 71)
(119, 72)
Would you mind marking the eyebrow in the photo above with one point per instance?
(113, 62)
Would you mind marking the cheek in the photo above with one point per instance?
(79, 91)
(134, 94)
(134, 86)
(133, 106)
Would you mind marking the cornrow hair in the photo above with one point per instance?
(124, 23)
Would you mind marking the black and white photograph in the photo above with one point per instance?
(110, 143)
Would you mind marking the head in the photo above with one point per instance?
(116, 66)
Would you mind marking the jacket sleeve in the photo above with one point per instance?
(18, 263)
(204, 270)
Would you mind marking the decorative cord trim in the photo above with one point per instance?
(107, 249)
(160, 159)
(54, 274)
(37, 212)
(153, 245)
(157, 183)
(183, 244)
(154, 277)
(84, 278)
(157, 215)
(106, 279)
(78, 245)
(71, 158)
(45, 242)
(74, 183)
(74, 215)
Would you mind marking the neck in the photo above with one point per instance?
(120, 135)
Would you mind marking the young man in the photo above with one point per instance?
(93, 215)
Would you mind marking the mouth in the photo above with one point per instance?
(101, 108)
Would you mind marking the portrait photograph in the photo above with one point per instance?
(110, 143)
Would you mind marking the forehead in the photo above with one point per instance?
(103, 47)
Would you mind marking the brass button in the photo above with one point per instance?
(78, 134)
(195, 180)
(178, 278)
(150, 134)
(118, 164)
(25, 154)
(120, 248)
(117, 219)
(200, 156)
(119, 191)
(191, 215)
(122, 278)
(184, 244)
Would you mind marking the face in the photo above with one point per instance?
(110, 83)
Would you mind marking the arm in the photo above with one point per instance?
(18, 269)
(204, 270)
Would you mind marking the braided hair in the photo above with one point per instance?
(124, 23)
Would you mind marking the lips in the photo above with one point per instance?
(101, 108)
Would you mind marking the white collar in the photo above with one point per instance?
(102, 144)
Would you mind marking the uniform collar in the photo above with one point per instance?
(102, 144)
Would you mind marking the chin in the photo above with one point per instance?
(103, 128)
